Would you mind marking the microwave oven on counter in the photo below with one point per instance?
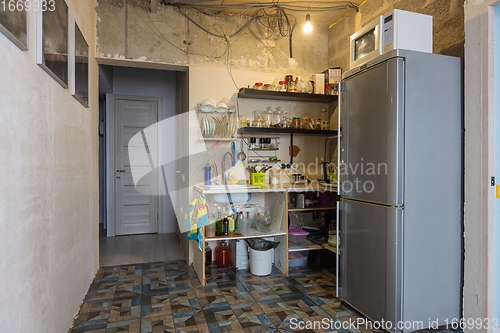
(397, 29)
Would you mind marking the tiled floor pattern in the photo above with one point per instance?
(135, 249)
(168, 297)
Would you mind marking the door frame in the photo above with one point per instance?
(110, 159)
(486, 90)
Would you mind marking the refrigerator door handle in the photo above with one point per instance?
(337, 273)
(339, 147)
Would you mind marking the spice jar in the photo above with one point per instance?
(222, 254)
(296, 122)
(253, 143)
(258, 86)
(283, 86)
(262, 142)
(208, 255)
(266, 86)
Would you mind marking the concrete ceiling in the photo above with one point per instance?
(323, 12)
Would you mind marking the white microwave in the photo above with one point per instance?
(397, 29)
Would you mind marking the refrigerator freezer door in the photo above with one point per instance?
(372, 130)
(371, 254)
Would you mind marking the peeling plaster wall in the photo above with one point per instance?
(448, 25)
(126, 30)
(49, 192)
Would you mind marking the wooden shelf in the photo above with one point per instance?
(277, 130)
(307, 245)
(312, 208)
(329, 248)
(286, 96)
(254, 234)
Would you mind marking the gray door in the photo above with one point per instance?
(371, 258)
(372, 130)
(135, 211)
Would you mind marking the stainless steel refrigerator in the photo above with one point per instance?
(401, 195)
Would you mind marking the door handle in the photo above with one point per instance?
(121, 170)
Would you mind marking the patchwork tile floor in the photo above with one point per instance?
(168, 297)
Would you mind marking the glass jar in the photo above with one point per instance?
(222, 254)
(288, 78)
(266, 86)
(258, 118)
(325, 122)
(283, 86)
(268, 117)
(301, 85)
(296, 122)
(278, 117)
(208, 255)
(258, 86)
(253, 143)
(291, 87)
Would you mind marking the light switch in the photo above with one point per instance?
(498, 191)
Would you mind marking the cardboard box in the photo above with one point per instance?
(319, 83)
(333, 75)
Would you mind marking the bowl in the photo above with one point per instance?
(266, 225)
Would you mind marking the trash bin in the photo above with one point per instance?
(261, 256)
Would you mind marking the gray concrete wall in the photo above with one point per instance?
(448, 25)
(126, 30)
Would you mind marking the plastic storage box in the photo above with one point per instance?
(296, 235)
(297, 259)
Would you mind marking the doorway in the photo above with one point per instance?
(144, 97)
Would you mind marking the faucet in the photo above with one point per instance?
(224, 180)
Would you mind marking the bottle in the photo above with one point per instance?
(208, 255)
(218, 223)
(207, 175)
(231, 224)
(225, 227)
(222, 254)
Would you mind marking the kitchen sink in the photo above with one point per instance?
(231, 193)
(231, 187)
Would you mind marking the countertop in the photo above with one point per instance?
(284, 187)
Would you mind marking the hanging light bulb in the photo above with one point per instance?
(308, 26)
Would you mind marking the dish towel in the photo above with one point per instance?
(198, 217)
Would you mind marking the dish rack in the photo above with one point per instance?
(216, 126)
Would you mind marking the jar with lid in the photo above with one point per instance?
(283, 86)
(222, 254)
(288, 78)
(266, 86)
(268, 117)
(278, 117)
(258, 86)
(253, 143)
(258, 118)
(296, 123)
(325, 123)
(291, 87)
(262, 142)
(267, 143)
(208, 255)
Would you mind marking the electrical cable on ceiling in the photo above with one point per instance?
(272, 16)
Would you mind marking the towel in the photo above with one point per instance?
(196, 219)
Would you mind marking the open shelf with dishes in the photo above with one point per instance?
(278, 130)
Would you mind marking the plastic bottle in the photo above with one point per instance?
(207, 175)
(222, 254)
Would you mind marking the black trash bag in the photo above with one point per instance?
(260, 244)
